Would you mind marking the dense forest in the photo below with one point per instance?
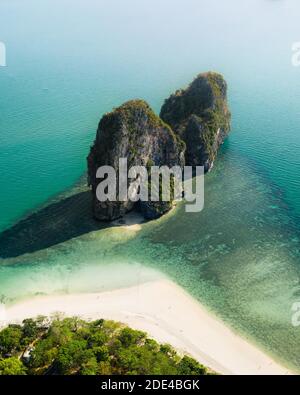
(71, 346)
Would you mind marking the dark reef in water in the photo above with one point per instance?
(192, 125)
(53, 224)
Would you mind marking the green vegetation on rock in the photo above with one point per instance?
(132, 131)
(199, 114)
(193, 123)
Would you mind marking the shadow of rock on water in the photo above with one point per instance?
(58, 222)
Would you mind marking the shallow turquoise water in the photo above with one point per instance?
(240, 256)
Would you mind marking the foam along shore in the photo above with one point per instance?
(169, 315)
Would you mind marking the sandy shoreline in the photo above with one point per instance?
(168, 314)
(131, 221)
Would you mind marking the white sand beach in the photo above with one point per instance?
(131, 221)
(169, 315)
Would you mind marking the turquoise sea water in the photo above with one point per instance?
(70, 61)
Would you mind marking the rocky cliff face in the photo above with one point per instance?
(193, 124)
(199, 115)
(134, 132)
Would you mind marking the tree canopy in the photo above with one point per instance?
(71, 346)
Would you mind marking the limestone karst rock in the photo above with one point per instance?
(135, 132)
(193, 123)
(199, 115)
